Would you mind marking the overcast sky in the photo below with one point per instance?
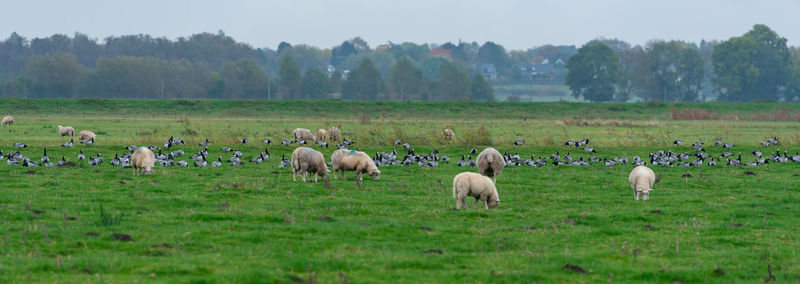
(515, 24)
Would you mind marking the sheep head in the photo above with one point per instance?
(148, 169)
(644, 193)
(375, 174)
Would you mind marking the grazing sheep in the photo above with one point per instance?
(8, 120)
(66, 130)
(86, 135)
(490, 163)
(303, 134)
(449, 134)
(306, 160)
(334, 134)
(642, 179)
(143, 160)
(352, 160)
(322, 134)
(475, 185)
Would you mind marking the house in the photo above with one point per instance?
(488, 70)
(541, 69)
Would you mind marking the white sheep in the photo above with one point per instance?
(66, 130)
(642, 179)
(352, 160)
(86, 135)
(143, 160)
(305, 134)
(305, 160)
(449, 134)
(322, 134)
(8, 120)
(490, 163)
(475, 185)
(334, 134)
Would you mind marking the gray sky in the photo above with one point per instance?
(515, 24)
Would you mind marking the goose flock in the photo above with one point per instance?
(166, 158)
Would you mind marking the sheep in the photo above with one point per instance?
(352, 160)
(306, 160)
(642, 179)
(304, 134)
(142, 161)
(322, 134)
(490, 163)
(66, 130)
(86, 135)
(449, 134)
(475, 185)
(8, 120)
(334, 134)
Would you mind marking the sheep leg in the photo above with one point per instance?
(461, 199)
(304, 173)
(343, 178)
(476, 203)
(294, 175)
(635, 195)
(495, 179)
(315, 178)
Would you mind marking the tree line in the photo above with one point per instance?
(755, 66)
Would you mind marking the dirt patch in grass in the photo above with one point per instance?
(575, 268)
(122, 237)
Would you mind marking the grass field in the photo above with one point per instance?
(254, 224)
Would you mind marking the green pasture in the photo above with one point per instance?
(253, 224)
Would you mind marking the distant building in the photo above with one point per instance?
(441, 52)
(488, 70)
(384, 47)
(332, 69)
(541, 69)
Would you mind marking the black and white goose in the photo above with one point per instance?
(205, 143)
(115, 161)
(470, 161)
(81, 156)
(201, 163)
(217, 163)
(45, 158)
(286, 142)
(89, 141)
(677, 142)
(519, 142)
(244, 140)
(20, 145)
(461, 162)
(266, 141)
(68, 144)
(63, 162)
(284, 162)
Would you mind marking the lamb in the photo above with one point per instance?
(66, 130)
(352, 160)
(304, 134)
(475, 185)
(334, 134)
(490, 163)
(143, 160)
(642, 179)
(86, 135)
(305, 160)
(8, 120)
(322, 134)
(449, 134)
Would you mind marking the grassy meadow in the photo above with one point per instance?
(253, 224)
